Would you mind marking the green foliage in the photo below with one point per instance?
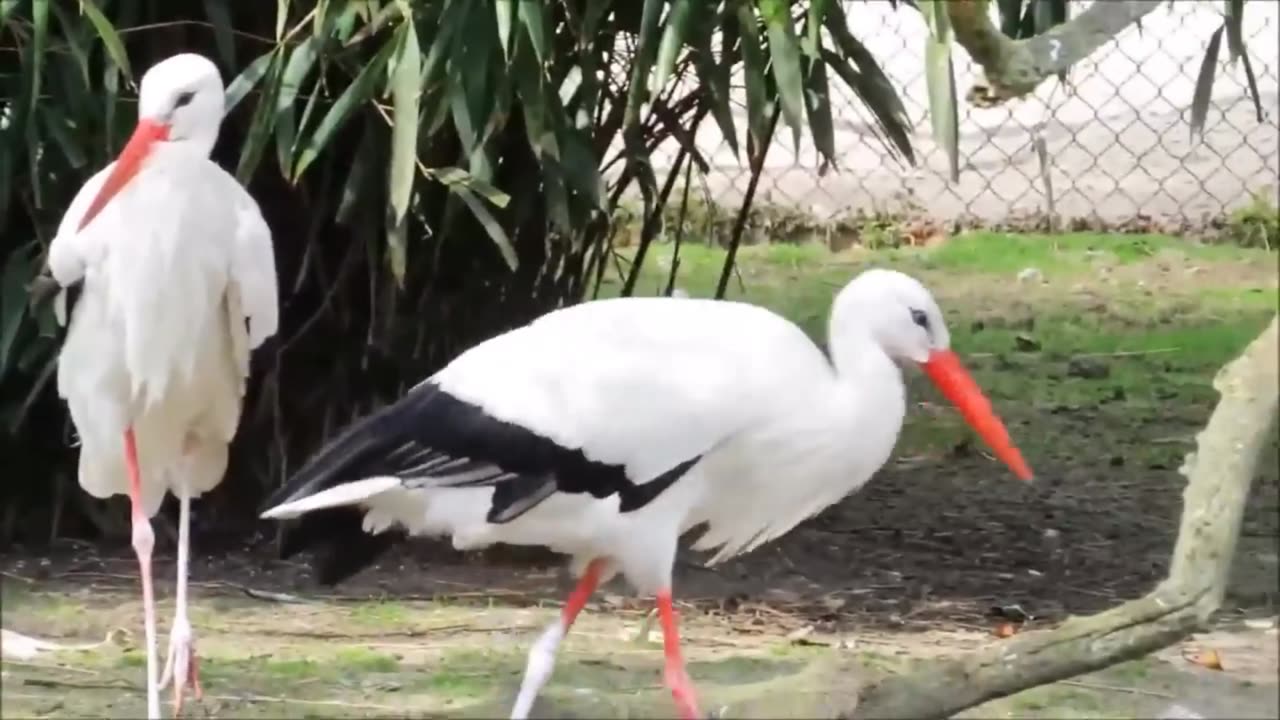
(434, 172)
(1257, 224)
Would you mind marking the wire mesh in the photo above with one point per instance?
(1116, 134)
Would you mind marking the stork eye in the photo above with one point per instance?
(918, 317)
(183, 99)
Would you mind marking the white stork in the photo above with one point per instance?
(175, 274)
(607, 429)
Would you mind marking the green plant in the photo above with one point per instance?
(1256, 224)
(434, 172)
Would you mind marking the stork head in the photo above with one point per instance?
(897, 313)
(181, 101)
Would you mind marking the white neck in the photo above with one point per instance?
(198, 143)
(852, 345)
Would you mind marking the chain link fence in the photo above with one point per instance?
(1116, 134)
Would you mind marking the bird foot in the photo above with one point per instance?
(682, 692)
(183, 665)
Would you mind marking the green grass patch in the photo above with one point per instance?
(381, 614)
(358, 659)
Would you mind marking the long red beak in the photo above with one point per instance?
(130, 161)
(944, 368)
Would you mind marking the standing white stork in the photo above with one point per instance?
(173, 265)
(607, 429)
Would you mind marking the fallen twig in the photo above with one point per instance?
(1114, 688)
(42, 682)
(273, 596)
(296, 701)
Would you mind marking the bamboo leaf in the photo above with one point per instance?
(1204, 84)
(490, 223)
(359, 92)
(753, 74)
(813, 27)
(75, 40)
(282, 18)
(6, 9)
(506, 15)
(220, 18)
(582, 168)
(941, 83)
(18, 269)
(894, 128)
(712, 74)
(817, 97)
(455, 176)
(1235, 28)
(534, 16)
(937, 19)
(358, 176)
(784, 51)
(1235, 44)
(260, 127)
(672, 40)
(39, 40)
(106, 31)
(111, 88)
(57, 126)
(943, 116)
(248, 79)
(869, 82)
(405, 85)
(301, 59)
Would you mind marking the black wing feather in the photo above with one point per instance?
(432, 439)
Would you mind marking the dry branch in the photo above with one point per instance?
(1219, 474)
(1014, 68)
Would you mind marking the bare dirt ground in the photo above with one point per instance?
(912, 566)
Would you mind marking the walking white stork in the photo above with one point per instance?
(607, 429)
(173, 266)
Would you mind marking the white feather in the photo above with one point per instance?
(348, 494)
(649, 383)
(172, 268)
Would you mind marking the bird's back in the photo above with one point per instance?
(643, 388)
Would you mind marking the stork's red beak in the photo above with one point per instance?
(944, 368)
(130, 161)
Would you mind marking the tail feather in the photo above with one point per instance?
(345, 494)
(325, 497)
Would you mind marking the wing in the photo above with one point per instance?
(72, 252)
(618, 397)
(253, 268)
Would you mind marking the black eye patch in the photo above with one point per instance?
(183, 99)
(918, 317)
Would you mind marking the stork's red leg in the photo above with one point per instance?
(144, 541)
(542, 656)
(674, 675)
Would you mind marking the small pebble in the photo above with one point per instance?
(1030, 274)
(1088, 368)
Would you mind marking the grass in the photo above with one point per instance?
(1159, 315)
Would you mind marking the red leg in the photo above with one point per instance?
(144, 540)
(674, 675)
(581, 592)
(542, 656)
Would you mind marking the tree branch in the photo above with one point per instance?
(1219, 472)
(1014, 68)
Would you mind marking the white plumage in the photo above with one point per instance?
(172, 268)
(560, 430)
(177, 283)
